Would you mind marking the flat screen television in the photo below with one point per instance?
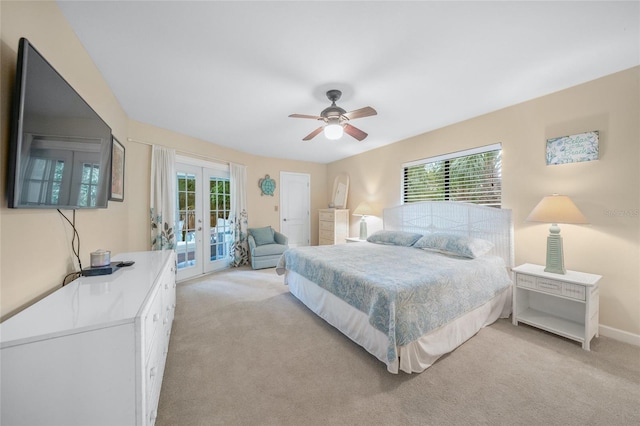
(59, 147)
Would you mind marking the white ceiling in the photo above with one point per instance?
(231, 72)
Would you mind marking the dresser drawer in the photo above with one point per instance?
(152, 320)
(326, 226)
(326, 235)
(153, 373)
(328, 216)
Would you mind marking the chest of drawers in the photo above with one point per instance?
(92, 352)
(333, 226)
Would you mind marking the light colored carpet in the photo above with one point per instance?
(244, 351)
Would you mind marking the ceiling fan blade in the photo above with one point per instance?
(355, 132)
(360, 113)
(313, 134)
(315, 117)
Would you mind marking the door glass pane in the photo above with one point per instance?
(186, 235)
(219, 208)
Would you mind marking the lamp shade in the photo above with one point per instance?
(556, 209)
(363, 209)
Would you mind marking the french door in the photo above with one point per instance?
(203, 202)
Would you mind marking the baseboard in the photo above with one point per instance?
(622, 336)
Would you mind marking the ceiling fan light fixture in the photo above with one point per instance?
(336, 120)
(333, 131)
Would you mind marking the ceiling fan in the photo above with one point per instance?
(337, 119)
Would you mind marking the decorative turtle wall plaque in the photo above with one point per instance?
(267, 185)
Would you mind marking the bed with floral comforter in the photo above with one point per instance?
(435, 276)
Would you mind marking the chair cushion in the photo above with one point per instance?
(262, 236)
(269, 250)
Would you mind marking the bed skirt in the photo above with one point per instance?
(418, 355)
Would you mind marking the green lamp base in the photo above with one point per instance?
(555, 254)
(363, 229)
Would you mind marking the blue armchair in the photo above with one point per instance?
(266, 245)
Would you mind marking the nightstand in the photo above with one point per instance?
(354, 240)
(563, 304)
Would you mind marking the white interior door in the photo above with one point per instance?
(295, 201)
(203, 229)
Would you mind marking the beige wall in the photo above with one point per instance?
(607, 191)
(35, 245)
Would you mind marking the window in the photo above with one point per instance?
(43, 181)
(89, 185)
(219, 211)
(471, 176)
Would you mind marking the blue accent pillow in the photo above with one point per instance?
(262, 236)
(456, 245)
(395, 238)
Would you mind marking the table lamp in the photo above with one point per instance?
(556, 209)
(363, 210)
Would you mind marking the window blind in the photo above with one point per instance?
(472, 176)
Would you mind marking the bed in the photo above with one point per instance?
(435, 275)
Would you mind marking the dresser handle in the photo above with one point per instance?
(156, 317)
(152, 372)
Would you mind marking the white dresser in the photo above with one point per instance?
(92, 352)
(333, 226)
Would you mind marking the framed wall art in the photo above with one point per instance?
(117, 171)
(573, 149)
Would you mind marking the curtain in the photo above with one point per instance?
(238, 217)
(163, 198)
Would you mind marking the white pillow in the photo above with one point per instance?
(396, 238)
(456, 245)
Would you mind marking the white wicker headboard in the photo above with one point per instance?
(466, 219)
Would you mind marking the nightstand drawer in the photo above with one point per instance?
(549, 286)
(574, 291)
(525, 281)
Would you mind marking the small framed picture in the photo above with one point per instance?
(573, 148)
(117, 171)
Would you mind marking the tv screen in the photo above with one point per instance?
(59, 148)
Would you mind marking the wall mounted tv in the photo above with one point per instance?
(59, 148)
